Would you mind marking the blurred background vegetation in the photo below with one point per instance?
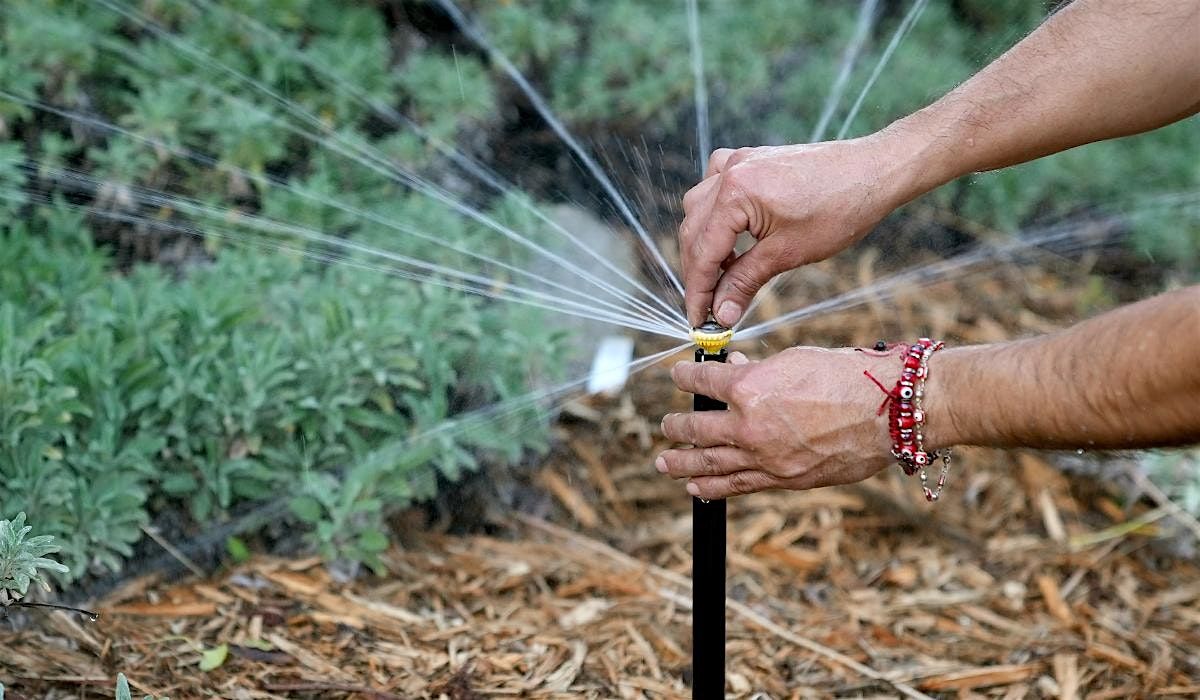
(149, 377)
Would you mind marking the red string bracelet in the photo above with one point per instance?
(906, 417)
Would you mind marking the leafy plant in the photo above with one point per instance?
(123, 396)
(22, 558)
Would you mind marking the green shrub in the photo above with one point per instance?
(123, 395)
(255, 372)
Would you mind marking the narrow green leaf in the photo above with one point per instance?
(238, 551)
(212, 659)
(306, 508)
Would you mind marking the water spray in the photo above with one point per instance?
(708, 549)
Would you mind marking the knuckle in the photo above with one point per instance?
(717, 156)
(738, 156)
(741, 482)
(732, 180)
(709, 461)
(741, 390)
(742, 281)
(749, 436)
(791, 470)
(745, 436)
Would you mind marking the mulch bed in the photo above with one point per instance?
(1023, 582)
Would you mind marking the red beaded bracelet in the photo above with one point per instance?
(906, 417)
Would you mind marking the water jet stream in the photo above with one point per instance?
(703, 135)
(343, 85)
(649, 315)
(539, 103)
(155, 198)
(1065, 238)
(862, 30)
(906, 25)
(353, 150)
(472, 284)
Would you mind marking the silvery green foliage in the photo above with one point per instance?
(1177, 473)
(218, 387)
(21, 559)
(123, 687)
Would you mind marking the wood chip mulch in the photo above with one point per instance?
(1022, 582)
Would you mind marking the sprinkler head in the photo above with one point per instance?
(712, 337)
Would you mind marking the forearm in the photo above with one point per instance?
(1098, 69)
(1129, 378)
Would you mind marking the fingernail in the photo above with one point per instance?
(661, 465)
(693, 489)
(729, 313)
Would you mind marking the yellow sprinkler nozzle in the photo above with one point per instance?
(712, 337)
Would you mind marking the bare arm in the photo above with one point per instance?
(807, 418)
(1129, 378)
(1098, 69)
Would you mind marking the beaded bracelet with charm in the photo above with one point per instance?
(906, 416)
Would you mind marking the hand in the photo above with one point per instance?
(802, 419)
(801, 203)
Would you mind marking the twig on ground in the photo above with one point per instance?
(174, 551)
(51, 606)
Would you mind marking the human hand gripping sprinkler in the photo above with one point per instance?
(708, 549)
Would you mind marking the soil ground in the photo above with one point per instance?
(1024, 581)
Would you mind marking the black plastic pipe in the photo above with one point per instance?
(708, 577)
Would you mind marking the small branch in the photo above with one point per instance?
(51, 606)
(174, 551)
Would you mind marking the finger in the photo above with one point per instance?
(714, 488)
(737, 358)
(712, 240)
(716, 161)
(698, 204)
(702, 192)
(704, 461)
(742, 280)
(711, 379)
(703, 429)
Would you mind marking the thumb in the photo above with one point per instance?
(743, 279)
